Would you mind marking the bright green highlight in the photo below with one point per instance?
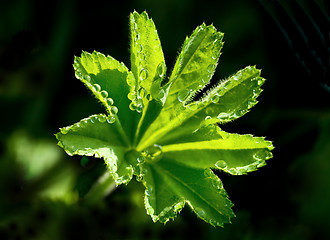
(154, 129)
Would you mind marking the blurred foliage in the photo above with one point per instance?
(43, 192)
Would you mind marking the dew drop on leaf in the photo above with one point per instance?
(208, 118)
(223, 116)
(193, 106)
(210, 68)
(137, 37)
(102, 119)
(97, 155)
(64, 130)
(160, 69)
(96, 87)
(142, 92)
(104, 94)
(143, 74)
(221, 164)
(149, 97)
(131, 95)
(139, 48)
(109, 101)
(154, 153)
(149, 191)
(134, 26)
(113, 110)
(233, 171)
(200, 212)
(140, 159)
(139, 108)
(132, 106)
(183, 94)
(161, 94)
(215, 98)
(111, 119)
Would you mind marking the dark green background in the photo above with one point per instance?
(287, 199)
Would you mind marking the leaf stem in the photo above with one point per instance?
(103, 187)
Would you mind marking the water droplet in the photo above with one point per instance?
(221, 164)
(161, 94)
(132, 106)
(134, 26)
(102, 119)
(113, 110)
(143, 74)
(87, 77)
(153, 153)
(183, 94)
(104, 94)
(193, 106)
(210, 68)
(223, 116)
(139, 108)
(96, 87)
(252, 103)
(64, 130)
(142, 92)
(200, 212)
(97, 155)
(262, 155)
(261, 164)
(140, 159)
(161, 68)
(139, 48)
(109, 101)
(208, 118)
(149, 191)
(215, 98)
(131, 95)
(78, 75)
(269, 155)
(137, 37)
(260, 81)
(149, 97)
(111, 119)
(233, 171)
(235, 77)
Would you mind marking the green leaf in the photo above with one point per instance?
(97, 136)
(107, 79)
(199, 188)
(219, 105)
(148, 66)
(195, 64)
(155, 128)
(233, 153)
(147, 58)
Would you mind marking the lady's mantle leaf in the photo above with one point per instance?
(98, 136)
(209, 147)
(157, 131)
(169, 185)
(229, 100)
(107, 79)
